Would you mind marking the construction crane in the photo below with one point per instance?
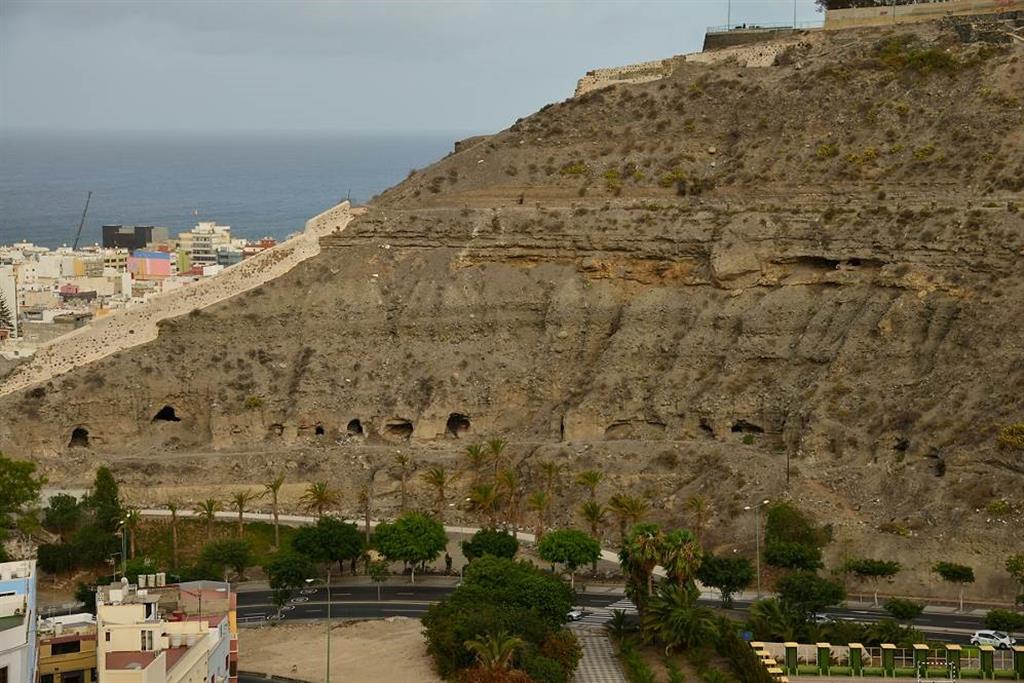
(78, 233)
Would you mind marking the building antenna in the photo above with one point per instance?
(78, 234)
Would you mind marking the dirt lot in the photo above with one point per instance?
(388, 651)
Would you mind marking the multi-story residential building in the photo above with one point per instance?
(67, 649)
(176, 634)
(18, 621)
(11, 305)
(132, 237)
(203, 241)
(152, 265)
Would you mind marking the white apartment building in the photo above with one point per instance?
(18, 621)
(203, 241)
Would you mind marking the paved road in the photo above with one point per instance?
(360, 602)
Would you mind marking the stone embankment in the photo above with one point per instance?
(138, 325)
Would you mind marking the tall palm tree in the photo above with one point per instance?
(494, 652)
(629, 510)
(240, 501)
(508, 485)
(476, 456)
(130, 525)
(485, 499)
(596, 517)
(590, 479)
(539, 503)
(366, 506)
(550, 470)
(681, 556)
(273, 488)
(770, 619)
(402, 460)
(640, 555)
(319, 496)
(700, 507)
(207, 512)
(174, 506)
(673, 618)
(439, 479)
(496, 447)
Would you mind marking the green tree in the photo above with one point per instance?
(596, 517)
(439, 479)
(508, 484)
(379, 573)
(638, 558)
(628, 510)
(803, 593)
(287, 572)
(867, 569)
(792, 555)
(785, 523)
(18, 486)
(590, 480)
(571, 548)
(413, 538)
(273, 489)
(329, 540)
(235, 553)
(495, 651)
(728, 574)
(63, 516)
(550, 471)
(496, 452)
(319, 497)
(539, 503)
(700, 508)
(769, 620)
(1015, 568)
(960, 574)
(490, 542)
(485, 499)
(903, 610)
(681, 556)
(105, 500)
(240, 500)
(6, 316)
(673, 618)
(1004, 620)
(476, 458)
(206, 512)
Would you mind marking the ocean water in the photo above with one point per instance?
(259, 184)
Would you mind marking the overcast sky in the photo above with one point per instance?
(328, 65)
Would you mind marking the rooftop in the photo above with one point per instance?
(130, 659)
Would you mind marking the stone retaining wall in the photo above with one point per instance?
(923, 11)
(138, 325)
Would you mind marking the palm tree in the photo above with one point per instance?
(508, 485)
(771, 621)
(539, 503)
(596, 517)
(550, 470)
(496, 447)
(681, 556)
(129, 525)
(274, 488)
(174, 506)
(673, 618)
(495, 651)
(319, 496)
(207, 512)
(239, 501)
(590, 479)
(438, 479)
(628, 509)
(618, 626)
(639, 556)
(701, 509)
(402, 460)
(486, 499)
(476, 456)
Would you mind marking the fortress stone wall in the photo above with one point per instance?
(138, 325)
(921, 11)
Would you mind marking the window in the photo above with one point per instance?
(146, 638)
(66, 648)
(106, 636)
(46, 678)
(3, 675)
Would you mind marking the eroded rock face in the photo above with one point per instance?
(816, 293)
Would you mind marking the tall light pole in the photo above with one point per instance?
(757, 540)
(728, 15)
(328, 678)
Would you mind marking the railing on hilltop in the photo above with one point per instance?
(726, 28)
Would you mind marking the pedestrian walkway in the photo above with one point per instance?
(599, 663)
(598, 616)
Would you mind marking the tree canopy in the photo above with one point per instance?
(571, 548)
(413, 538)
(288, 571)
(105, 500)
(19, 486)
(954, 573)
(227, 552)
(63, 515)
(490, 542)
(903, 610)
(804, 593)
(329, 540)
(792, 555)
(728, 574)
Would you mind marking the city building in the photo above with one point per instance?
(67, 649)
(184, 633)
(9, 304)
(18, 621)
(203, 241)
(152, 265)
(132, 237)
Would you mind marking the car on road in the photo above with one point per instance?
(575, 614)
(822, 619)
(997, 639)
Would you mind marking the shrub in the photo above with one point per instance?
(253, 402)
(490, 542)
(575, 168)
(827, 150)
(791, 555)
(904, 52)
(1004, 620)
(1012, 436)
(903, 610)
(922, 153)
(999, 508)
(671, 178)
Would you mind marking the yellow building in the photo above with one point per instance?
(67, 649)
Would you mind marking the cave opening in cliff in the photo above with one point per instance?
(744, 427)
(706, 427)
(399, 428)
(319, 430)
(355, 428)
(79, 438)
(166, 414)
(457, 425)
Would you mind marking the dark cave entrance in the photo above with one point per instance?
(355, 428)
(744, 427)
(705, 426)
(319, 430)
(79, 438)
(166, 414)
(457, 425)
(399, 428)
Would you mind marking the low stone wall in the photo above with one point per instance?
(922, 11)
(631, 73)
(138, 325)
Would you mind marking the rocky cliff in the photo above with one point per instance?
(797, 280)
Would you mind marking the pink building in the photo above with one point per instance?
(151, 265)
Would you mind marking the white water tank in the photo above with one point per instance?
(175, 640)
(161, 579)
(151, 580)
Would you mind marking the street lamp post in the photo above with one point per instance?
(757, 540)
(328, 678)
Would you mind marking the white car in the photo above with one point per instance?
(822, 619)
(996, 639)
(574, 614)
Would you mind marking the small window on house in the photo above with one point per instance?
(66, 648)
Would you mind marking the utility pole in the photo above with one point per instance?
(728, 15)
(757, 540)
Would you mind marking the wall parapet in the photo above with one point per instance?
(888, 14)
